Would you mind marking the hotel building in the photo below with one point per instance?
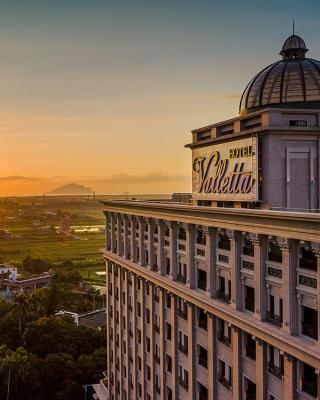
(219, 299)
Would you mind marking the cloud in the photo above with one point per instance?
(14, 178)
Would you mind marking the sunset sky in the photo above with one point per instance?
(105, 93)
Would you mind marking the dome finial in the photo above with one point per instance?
(294, 47)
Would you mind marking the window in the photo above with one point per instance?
(168, 331)
(224, 374)
(249, 346)
(202, 319)
(298, 122)
(309, 323)
(168, 300)
(249, 298)
(157, 353)
(203, 392)
(248, 247)
(148, 344)
(169, 363)
(224, 333)
(275, 362)
(309, 380)
(148, 315)
(182, 342)
(201, 237)
(202, 279)
(182, 308)
(223, 242)
(183, 377)
(138, 309)
(307, 259)
(181, 234)
(202, 356)
(274, 252)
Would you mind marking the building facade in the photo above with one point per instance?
(219, 299)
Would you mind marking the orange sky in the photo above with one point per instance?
(105, 94)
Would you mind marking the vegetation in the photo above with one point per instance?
(43, 355)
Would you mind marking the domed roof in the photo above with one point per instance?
(293, 81)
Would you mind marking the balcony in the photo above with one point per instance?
(224, 381)
(183, 383)
(250, 352)
(203, 361)
(224, 339)
(310, 330)
(274, 319)
(309, 387)
(183, 348)
(275, 371)
(182, 313)
(223, 296)
(181, 278)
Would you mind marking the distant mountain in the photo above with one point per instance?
(70, 189)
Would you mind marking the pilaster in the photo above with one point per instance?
(289, 377)
(190, 238)
(235, 265)
(126, 249)
(160, 255)
(236, 363)
(150, 222)
(212, 355)
(133, 240)
(142, 253)
(191, 351)
(261, 368)
(211, 246)
(289, 249)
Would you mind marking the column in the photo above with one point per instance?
(236, 363)
(191, 351)
(119, 236)
(134, 338)
(120, 301)
(260, 243)
(174, 345)
(212, 357)
(108, 324)
(133, 240)
(162, 343)
(316, 250)
(261, 368)
(142, 254)
(173, 249)
(235, 265)
(289, 249)
(289, 377)
(126, 249)
(127, 314)
(150, 222)
(114, 326)
(107, 233)
(113, 233)
(160, 255)
(143, 337)
(211, 246)
(191, 273)
(318, 382)
(152, 360)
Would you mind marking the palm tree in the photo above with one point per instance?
(21, 307)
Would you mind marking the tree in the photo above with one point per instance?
(57, 335)
(17, 370)
(21, 307)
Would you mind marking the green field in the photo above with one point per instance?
(51, 246)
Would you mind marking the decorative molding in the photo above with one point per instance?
(299, 298)
(283, 243)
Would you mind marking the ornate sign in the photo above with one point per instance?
(226, 171)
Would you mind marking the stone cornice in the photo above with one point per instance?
(303, 226)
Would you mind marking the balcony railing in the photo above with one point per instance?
(274, 319)
(224, 339)
(223, 296)
(275, 371)
(224, 381)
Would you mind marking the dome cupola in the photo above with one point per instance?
(292, 82)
